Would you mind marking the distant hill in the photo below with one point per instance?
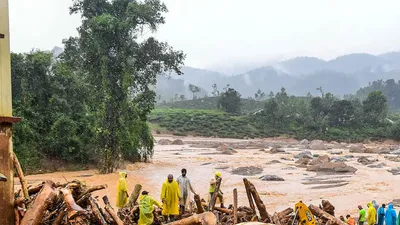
(300, 75)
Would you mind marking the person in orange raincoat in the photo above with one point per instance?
(170, 196)
(122, 190)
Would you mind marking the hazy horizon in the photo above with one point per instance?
(229, 35)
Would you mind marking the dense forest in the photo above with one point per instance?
(90, 104)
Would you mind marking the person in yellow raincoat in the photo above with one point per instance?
(371, 214)
(146, 206)
(170, 196)
(122, 190)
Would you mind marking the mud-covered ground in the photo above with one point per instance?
(202, 157)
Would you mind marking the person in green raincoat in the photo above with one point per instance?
(146, 206)
(122, 190)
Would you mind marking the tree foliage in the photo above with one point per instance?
(93, 101)
(229, 101)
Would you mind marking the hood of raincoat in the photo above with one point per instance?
(122, 174)
(369, 204)
(390, 206)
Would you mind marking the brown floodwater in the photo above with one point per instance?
(365, 185)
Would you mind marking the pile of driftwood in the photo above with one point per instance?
(73, 203)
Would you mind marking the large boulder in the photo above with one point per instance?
(380, 165)
(395, 171)
(247, 171)
(320, 159)
(357, 148)
(332, 167)
(338, 159)
(393, 158)
(336, 152)
(223, 147)
(318, 145)
(275, 150)
(304, 154)
(304, 142)
(271, 178)
(395, 152)
(303, 162)
(177, 142)
(365, 160)
(164, 142)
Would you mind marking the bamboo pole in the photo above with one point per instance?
(21, 176)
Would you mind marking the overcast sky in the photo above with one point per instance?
(224, 33)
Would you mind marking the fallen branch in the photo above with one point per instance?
(249, 197)
(260, 205)
(235, 203)
(92, 189)
(21, 177)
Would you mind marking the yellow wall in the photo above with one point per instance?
(5, 65)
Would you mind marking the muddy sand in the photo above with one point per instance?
(202, 159)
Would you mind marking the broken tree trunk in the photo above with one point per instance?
(281, 217)
(316, 211)
(92, 189)
(111, 211)
(199, 206)
(215, 195)
(207, 218)
(69, 200)
(96, 212)
(265, 217)
(235, 205)
(21, 177)
(44, 199)
(249, 197)
(34, 190)
(134, 196)
(328, 207)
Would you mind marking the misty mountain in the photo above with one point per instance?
(300, 75)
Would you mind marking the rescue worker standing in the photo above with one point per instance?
(381, 214)
(146, 206)
(122, 190)
(213, 184)
(371, 217)
(390, 215)
(184, 186)
(170, 197)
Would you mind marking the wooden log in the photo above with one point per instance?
(260, 205)
(215, 195)
(96, 212)
(111, 211)
(78, 218)
(199, 206)
(235, 205)
(107, 216)
(219, 209)
(249, 197)
(60, 217)
(316, 211)
(92, 189)
(134, 196)
(17, 217)
(21, 176)
(328, 207)
(207, 218)
(280, 217)
(19, 201)
(34, 190)
(69, 201)
(45, 198)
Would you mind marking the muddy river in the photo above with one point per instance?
(201, 158)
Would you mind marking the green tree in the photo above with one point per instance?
(215, 91)
(375, 108)
(229, 101)
(194, 89)
(259, 95)
(120, 71)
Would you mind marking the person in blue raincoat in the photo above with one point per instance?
(390, 215)
(381, 214)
